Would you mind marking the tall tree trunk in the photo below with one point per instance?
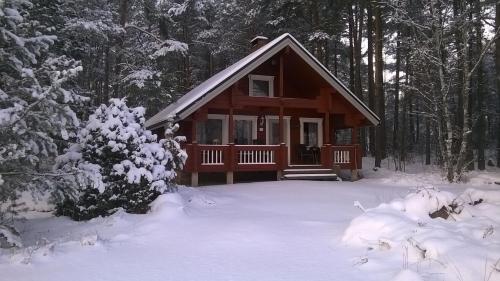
(497, 68)
(335, 57)
(358, 37)
(427, 141)
(469, 151)
(395, 133)
(123, 14)
(404, 125)
(481, 120)
(379, 90)
(462, 156)
(371, 82)
(459, 113)
(358, 62)
(352, 34)
(107, 70)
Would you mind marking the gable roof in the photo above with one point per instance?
(209, 89)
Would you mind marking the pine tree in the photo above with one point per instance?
(36, 116)
(119, 163)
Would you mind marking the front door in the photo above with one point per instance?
(311, 140)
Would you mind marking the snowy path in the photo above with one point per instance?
(258, 231)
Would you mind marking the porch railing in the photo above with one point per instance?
(231, 157)
(221, 158)
(256, 154)
(343, 156)
(212, 155)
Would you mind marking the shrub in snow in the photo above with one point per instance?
(466, 238)
(119, 163)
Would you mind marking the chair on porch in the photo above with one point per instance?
(307, 153)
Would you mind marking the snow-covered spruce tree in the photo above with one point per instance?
(120, 163)
(35, 109)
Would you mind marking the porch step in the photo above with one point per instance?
(309, 174)
(307, 171)
(329, 177)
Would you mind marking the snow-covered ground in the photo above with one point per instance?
(291, 230)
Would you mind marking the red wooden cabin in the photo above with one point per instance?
(277, 108)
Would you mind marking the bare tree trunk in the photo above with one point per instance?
(358, 37)
(335, 56)
(107, 70)
(358, 85)
(459, 114)
(395, 133)
(123, 13)
(427, 141)
(404, 130)
(371, 82)
(352, 34)
(481, 120)
(462, 156)
(445, 128)
(469, 157)
(497, 68)
(379, 90)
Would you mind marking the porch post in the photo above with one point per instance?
(281, 125)
(230, 127)
(230, 151)
(194, 154)
(326, 130)
(283, 151)
(355, 158)
(282, 78)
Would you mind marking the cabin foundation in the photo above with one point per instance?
(230, 177)
(194, 179)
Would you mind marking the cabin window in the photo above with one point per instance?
(261, 86)
(213, 130)
(245, 129)
(274, 131)
(343, 136)
(311, 132)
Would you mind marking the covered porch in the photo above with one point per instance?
(233, 158)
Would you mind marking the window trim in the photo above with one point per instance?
(248, 118)
(225, 125)
(267, 78)
(319, 121)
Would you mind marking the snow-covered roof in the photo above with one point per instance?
(209, 89)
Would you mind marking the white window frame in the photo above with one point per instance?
(225, 125)
(269, 79)
(248, 118)
(319, 121)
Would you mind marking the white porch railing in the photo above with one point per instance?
(212, 156)
(251, 155)
(341, 157)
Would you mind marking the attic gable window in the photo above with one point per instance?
(261, 86)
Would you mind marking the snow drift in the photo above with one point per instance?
(466, 243)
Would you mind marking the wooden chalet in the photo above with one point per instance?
(276, 109)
